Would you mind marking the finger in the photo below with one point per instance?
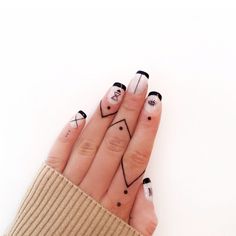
(86, 146)
(61, 149)
(116, 139)
(121, 194)
(143, 217)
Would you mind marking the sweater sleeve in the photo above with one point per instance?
(55, 206)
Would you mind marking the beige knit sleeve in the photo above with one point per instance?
(55, 206)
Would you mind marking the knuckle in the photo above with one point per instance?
(115, 143)
(131, 104)
(138, 159)
(86, 148)
(55, 162)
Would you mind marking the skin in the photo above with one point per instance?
(90, 156)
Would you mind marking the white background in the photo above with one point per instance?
(54, 61)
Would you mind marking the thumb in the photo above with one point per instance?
(143, 216)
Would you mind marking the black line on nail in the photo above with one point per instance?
(120, 85)
(137, 83)
(124, 175)
(83, 114)
(146, 181)
(123, 120)
(102, 114)
(77, 119)
(143, 73)
(150, 192)
(155, 94)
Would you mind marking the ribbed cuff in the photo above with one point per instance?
(55, 206)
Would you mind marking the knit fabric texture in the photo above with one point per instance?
(55, 206)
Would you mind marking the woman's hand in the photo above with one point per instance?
(108, 157)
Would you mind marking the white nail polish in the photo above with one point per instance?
(77, 119)
(116, 93)
(153, 102)
(147, 187)
(138, 84)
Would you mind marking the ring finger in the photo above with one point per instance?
(116, 139)
(122, 192)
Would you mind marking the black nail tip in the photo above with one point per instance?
(155, 94)
(83, 114)
(143, 73)
(120, 85)
(146, 181)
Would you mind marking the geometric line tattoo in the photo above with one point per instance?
(128, 184)
(102, 112)
(120, 121)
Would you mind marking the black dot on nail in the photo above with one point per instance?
(126, 192)
(149, 118)
(121, 128)
(108, 107)
(118, 204)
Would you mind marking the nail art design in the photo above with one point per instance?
(80, 115)
(114, 96)
(147, 187)
(116, 93)
(139, 83)
(152, 102)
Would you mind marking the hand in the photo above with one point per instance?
(108, 157)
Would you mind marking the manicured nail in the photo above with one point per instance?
(139, 83)
(153, 101)
(147, 186)
(77, 119)
(116, 93)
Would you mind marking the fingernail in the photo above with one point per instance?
(116, 93)
(147, 186)
(139, 83)
(77, 119)
(153, 101)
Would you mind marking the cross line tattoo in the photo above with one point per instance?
(80, 115)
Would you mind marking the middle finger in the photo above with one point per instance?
(116, 139)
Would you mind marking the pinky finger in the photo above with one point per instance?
(143, 216)
(61, 149)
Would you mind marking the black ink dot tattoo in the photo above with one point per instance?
(122, 127)
(103, 111)
(126, 191)
(149, 118)
(118, 204)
